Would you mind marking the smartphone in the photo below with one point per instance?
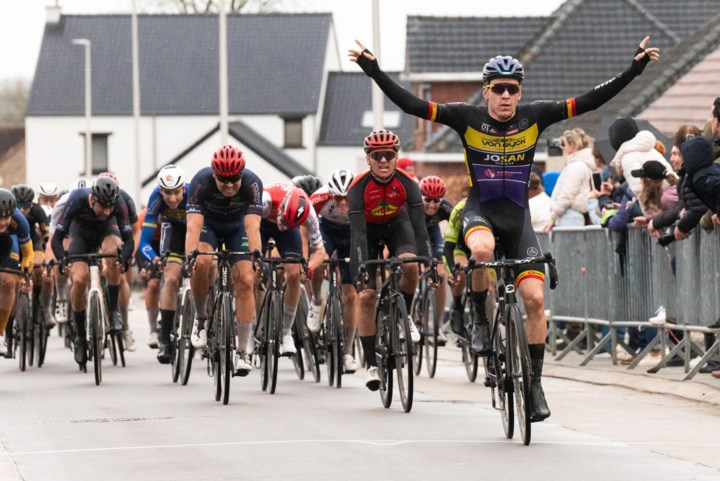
(596, 181)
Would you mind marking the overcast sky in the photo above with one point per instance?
(22, 22)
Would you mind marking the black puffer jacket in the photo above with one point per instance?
(694, 208)
(702, 174)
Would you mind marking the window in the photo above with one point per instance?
(99, 153)
(293, 133)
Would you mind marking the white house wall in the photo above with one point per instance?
(332, 158)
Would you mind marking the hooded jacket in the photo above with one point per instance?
(633, 153)
(703, 176)
(572, 187)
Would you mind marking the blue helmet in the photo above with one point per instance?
(503, 67)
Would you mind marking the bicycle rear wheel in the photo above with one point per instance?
(402, 350)
(96, 341)
(184, 343)
(520, 369)
(470, 360)
(176, 361)
(307, 341)
(500, 366)
(275, 320)
(431, 326)
(32, 331)
(383, 347)
(329, 335)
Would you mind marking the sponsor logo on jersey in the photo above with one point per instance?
(383, 209)
(510, 143)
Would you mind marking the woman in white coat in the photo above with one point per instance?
(570, 196)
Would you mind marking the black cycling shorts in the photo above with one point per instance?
(172, 241)
(397, 235)
(87, 237)
(337, 239)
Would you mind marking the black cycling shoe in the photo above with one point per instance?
(116, 322)
(164, 355)
(539, 410)
(80, 350)
(481, 339)
(456, 321)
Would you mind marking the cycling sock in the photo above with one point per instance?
(244, 333)
(79, 317)
(166, 321)
(113, 292)
(456, 302)
(124, 314)
(368, 344)
(537, 354)
(288, 318)
(349, 339)
(478, 299)
(408, 300)
(152, 313)
(4, 316)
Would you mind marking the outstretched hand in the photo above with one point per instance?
(355, 53)
(653, 52)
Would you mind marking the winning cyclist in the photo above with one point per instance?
(224, 205)
(94, 219)
(331, 204)
(499, 142)
(385, 205)
(168, 200)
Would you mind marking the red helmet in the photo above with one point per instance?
(109, 175)
(295, 207)
(228, 161)
(404, 163)
(381, 140)
(432, 186)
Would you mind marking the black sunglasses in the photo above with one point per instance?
(228, 180)
(379, 155)
(500, 89)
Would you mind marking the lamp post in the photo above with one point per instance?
(83, 42)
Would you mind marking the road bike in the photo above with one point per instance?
(507, 368)
(333, 329)
(180, 336)
(19, 333)
(309, 348)
(393, 346)
(427, 319)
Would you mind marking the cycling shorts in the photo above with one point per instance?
(87, 237)
(9, 252)
(337, 239)
(172, 241)
(232, 234)
(288, 242)
(397, 235)
(511, 227)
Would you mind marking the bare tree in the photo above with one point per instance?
(13, 101)
(211, 6)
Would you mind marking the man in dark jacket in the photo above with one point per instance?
(702, 173)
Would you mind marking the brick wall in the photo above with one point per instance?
(441, 93)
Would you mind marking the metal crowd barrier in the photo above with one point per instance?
(607, 294)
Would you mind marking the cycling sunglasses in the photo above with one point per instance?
(500, 89)
(228, 180)
(431, 200)
(379, 155)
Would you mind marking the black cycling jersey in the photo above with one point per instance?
(443, 213)
(39, 226)
(205, 198)
(132, 210)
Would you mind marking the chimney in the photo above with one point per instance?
(53, 13)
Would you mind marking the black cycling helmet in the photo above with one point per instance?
(503, 66)
(308, 183)
(7, 203)
(105, 191)
(24, 194)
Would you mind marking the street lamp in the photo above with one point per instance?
(88, 103)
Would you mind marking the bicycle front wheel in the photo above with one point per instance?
(22, 318)
(520, 369)
(402, 350)
(96, 337)
(418, 316)
(338, 347)
(383, 355)
(225, 335)
(470, 360)
(431, 326)
(185, 349)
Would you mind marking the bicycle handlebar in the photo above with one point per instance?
(547, 258)
(18, 272)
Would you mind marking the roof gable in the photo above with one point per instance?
(347, 97)
(179, 64)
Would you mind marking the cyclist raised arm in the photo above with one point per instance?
(93, 219)
(224, 206)
(385, 205)
(499, 142)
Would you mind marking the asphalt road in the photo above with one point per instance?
(55, 424)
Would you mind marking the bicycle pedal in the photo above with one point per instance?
(241, 373)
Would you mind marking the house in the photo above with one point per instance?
(278, 68)
(583, 43)
(12, 156)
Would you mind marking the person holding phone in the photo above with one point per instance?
(569, 206)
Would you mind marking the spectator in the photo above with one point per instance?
(712, 129)
(538, 201)
(655, 198)
(408, 166)
(690, 209)
(634, 147)
(570, 196)
(702, 175)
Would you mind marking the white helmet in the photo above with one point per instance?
(339, 181)
(171, 177)
(81, 184)
(48, 189)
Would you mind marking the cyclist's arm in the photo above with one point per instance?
(126, 232)
(252, 228)
(195, 222)
(358, 232)
(417, 216)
